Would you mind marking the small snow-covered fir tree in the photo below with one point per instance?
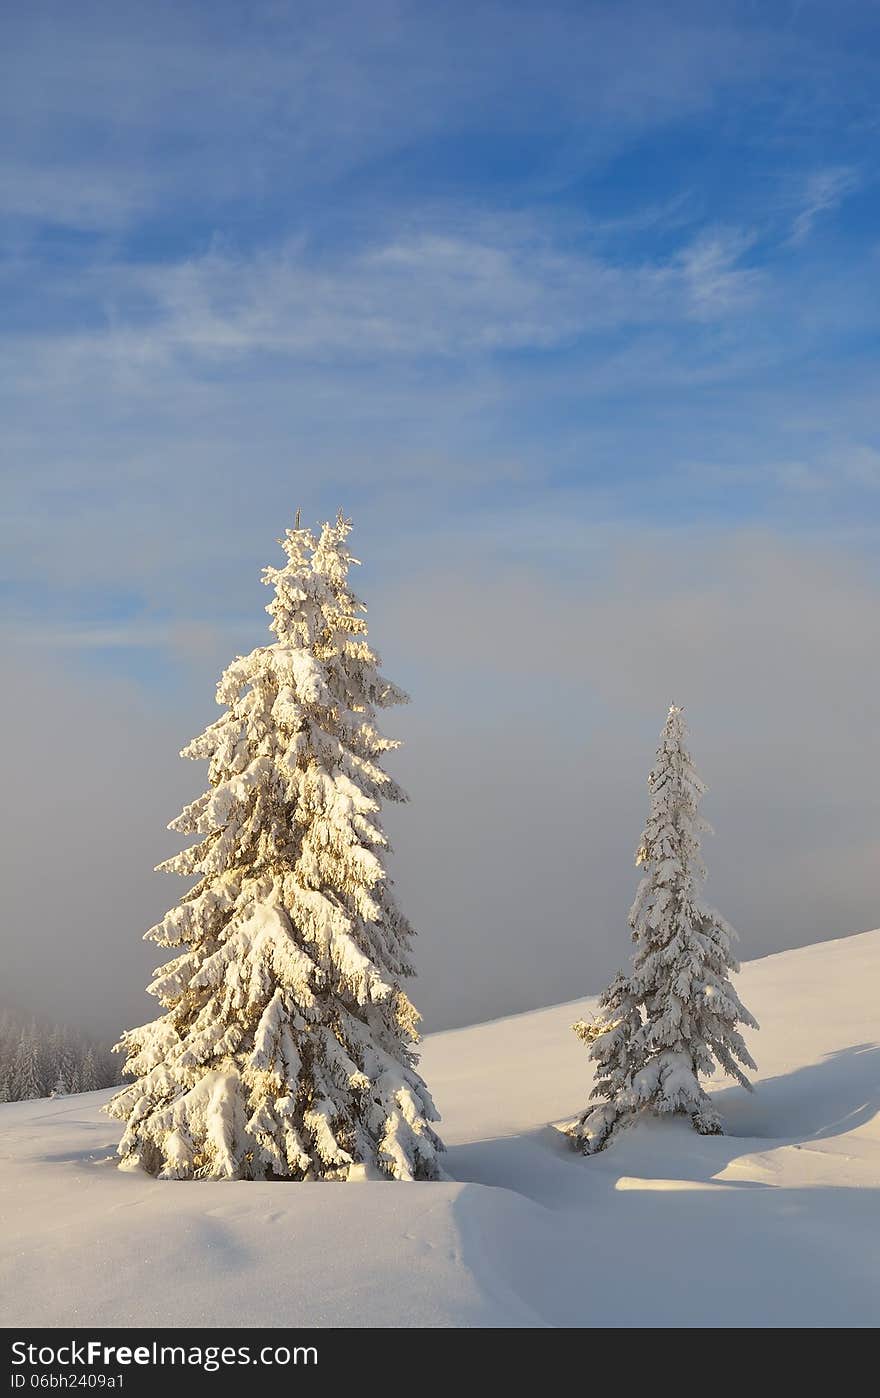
(286, 1049)
(675, 1016)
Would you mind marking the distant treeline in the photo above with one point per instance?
(45, 1060)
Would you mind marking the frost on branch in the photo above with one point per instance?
(286, 1050)
(675, 1016)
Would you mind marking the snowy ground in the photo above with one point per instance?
(777, 1223)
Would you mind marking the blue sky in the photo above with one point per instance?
(436, 260)
(538, 292)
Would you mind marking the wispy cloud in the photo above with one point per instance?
(82, 197)
(715, 280)
(174, 635)
(349, 254)
(431, 293)
(285, 97)
(824, 192)
(438, 291)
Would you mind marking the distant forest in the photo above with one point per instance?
(46, 1060)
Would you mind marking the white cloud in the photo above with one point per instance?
(78, 197)
(715, 281)
(825, 190)
(497, 286)
(291, 97)
(424, 293)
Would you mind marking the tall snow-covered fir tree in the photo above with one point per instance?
(675, 1016)
(286, 1050)
(28, 1066)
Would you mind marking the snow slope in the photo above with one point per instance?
(777, 1223)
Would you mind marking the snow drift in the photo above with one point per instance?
(773, 1224)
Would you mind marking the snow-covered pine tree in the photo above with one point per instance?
(69, 1064)
(88, 1074)
(55, 1075)
(675, 1015)
(28, 1078)
(287, 1045)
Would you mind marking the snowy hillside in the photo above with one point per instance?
(773, 1224)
